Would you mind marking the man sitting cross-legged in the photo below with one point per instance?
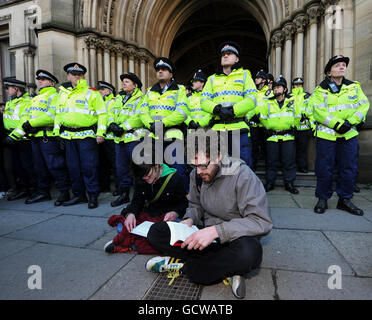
(231, 200)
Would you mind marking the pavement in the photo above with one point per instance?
(306, 256)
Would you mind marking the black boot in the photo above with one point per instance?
(93, 202)
(347, 205)
(269, 186)
(290, 187)
(63, 197)
(321, 206)
(75, 200)
(18, 195)
(124, 198)
(38, 197)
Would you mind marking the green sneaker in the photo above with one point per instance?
(165, 264)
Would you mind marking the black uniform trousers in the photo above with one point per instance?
(280, 152)
(214, 263)
(302, 140)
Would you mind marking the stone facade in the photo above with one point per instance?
(115, 36)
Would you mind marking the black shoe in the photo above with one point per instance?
(356, 189)
(124, 198)
(64, 196)
(269, 186)
(18, 195)
(75, 200)
(290, 187)
(347, 205)
(321, 206)
(38, 197)
(93, 202)
(303, 170)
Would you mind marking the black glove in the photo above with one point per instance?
(225, 113)
(28, 128)
(116, 129)
(360, 126)
(9, 141)
(304, 117)
(217, 109)
(255, 118)
(157, 126)
(346, 126)
(193, 125)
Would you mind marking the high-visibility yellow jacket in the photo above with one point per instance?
(41, 112)
(330, 109)
(279, 119)
(171, 107)
(80, 107)
(196, 112)
(15, 110)
(237, 88)
(302, 104)
(127, 116)
(262, 94)
(109, 102)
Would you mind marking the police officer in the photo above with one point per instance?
(20, 146)
(256, 129)
(81, 119)
(125, 124)
(106, 150)
(48, 158)
(228, 96)
(199, 118)
(339, 106)
(164, 109)
(279, 115)
(304, 126)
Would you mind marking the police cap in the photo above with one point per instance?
(13, 82)
(335, 60)
(43, 74)
(229, 46)
(162, 62)
(133, 77)
(200, 75)
(75, 68)
(106, 85)
(280, 81)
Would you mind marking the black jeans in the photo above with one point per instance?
(214, 263)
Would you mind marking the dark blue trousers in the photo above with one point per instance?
(82, 163)
(49, 162)
(23, 164)
(302, 141)
(243, 142)
(343, 154)
(123, 162)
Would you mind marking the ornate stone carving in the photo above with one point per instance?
(300, 22)
(92, 42)
(143, 56)
(288, 30)
(314, 12)
(277, 39)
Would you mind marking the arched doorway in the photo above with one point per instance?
(195, 43)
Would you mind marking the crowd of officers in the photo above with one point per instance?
(77, 134)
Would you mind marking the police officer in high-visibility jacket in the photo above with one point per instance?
(126, 126)
(49, 159)
(19, 145)
(81, 118)
(228, 96)
(106, 150)
(305, 125)
(279, 116)
(199, 118)
(163, 110)
(339, 106)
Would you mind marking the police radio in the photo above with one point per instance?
(333, 86)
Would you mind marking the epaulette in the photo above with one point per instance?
(268, 92)
(94, 89)
(290, 103)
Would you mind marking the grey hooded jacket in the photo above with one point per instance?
(234, 201)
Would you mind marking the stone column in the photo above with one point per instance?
(328, 23)
(288, 31)
(144, 59)
(113, 65)
(106, 60)
(131, 57)
(99, 63)
(119, 64)
(300, 22)
(277, 39)
(313, 12)
(91, 45)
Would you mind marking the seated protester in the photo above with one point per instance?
(230, 198)
(159, 195)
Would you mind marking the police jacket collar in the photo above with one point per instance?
(42, 90)
(287, 96)
(173, 86)
(325, 82)
(236, 66)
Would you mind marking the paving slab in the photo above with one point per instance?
(66, 230)
(130, 283)
(12, 220)
(20, 205)
(356, 248)
(298, 250)
(281, 201)
(332, 219)
(312, 286)
(9, 247)
(100, 242)
(259, 286)
(66, 273)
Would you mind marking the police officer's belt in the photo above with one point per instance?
(271, 133)
(79, 129)
(235, 120)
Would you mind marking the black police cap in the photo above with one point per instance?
(104, 84)
(13, 82)
(297, 80)
(75, 68)
(229, 46)
(280, 81)
(163, 62)
(43, 74)
(335, 60)
(133, 77)
(261, 74)
(269, 76)
(200, 75)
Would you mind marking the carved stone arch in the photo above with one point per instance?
(120, 19)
